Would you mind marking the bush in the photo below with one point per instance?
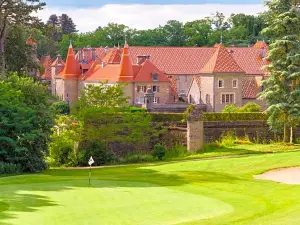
(62, 151)
(230, 108)
(159, 151)
(234, 116)
(249, 107)
(167, 117)
(97, 151)
(176, 151)
(60, 108)
(138, 158)
(9, 168)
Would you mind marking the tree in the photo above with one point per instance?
(15, 12)
(174, 33)
(282, 88)
(17, 54)
(25, 123)
(220, 22)
(66, 24)
(198, 32)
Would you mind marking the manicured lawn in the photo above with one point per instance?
(220, 191)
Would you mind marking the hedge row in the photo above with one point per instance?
(234, 116)
(167, 117)
(177, 117)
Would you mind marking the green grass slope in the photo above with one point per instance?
(220, 191)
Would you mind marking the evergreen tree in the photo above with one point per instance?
(282, 90)
(66, 24)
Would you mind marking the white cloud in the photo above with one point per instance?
(145, 16)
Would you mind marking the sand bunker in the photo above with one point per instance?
(283, 175)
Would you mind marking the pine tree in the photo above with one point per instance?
(282, 88)
(15, 12)
(67, 25)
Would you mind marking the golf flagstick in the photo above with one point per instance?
(91, 161)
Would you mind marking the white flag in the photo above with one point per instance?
(91, 161)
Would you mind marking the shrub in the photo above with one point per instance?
(250, 107)
(138, 158)
(230, 108)
(97, 150)
(159, 151)
(9, 168)
(62, 151)
(176, 151)
(167, 117)
(60, 108)
(234, 116)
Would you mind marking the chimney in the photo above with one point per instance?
(262, 52)
(142, 58)
(93, 54)
(59, 59)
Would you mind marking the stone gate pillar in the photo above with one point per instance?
(195, 130)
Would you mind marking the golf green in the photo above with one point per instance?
(220, 191)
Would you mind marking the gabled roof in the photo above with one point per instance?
(72, 66)
(261, 44)
(55, 62)
(126, 70)
(113, 56)
(249, 88)
(45, 63)
(146, 71)
(221, 62)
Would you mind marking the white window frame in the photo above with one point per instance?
(155, 100)
(222, 83)
(228, 93)
(237, 83)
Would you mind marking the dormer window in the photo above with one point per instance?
(155, 76)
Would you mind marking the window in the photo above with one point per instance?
(227, 98)
(182, 92)
(155, 88)
(221, 83)
(155, 76)
(141, 88)
(156, 100)
(235, 83)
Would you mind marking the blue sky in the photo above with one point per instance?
(144, 14)
(97, 3)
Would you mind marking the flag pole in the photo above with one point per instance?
(90, 175)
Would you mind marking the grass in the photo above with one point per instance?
(208, 192)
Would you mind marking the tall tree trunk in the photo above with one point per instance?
(287, 133)
(2, 59)
(293, 135)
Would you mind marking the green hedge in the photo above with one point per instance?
(178, 117)
(234, 116)
(167, 117)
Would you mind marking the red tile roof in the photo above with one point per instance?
(261, 44)
(175, 60)
(46, 63)
(113, 56)
(55, 62)
(126, 73)
(221, 62)
(108, 73)
(145, 73)
(249, 88)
